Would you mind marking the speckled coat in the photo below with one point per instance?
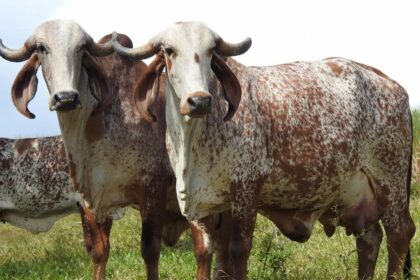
(304, 130)
(35, 190)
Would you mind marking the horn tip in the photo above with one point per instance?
(114, 36)
(30, 115)
(248, 42)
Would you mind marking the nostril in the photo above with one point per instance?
(192, 101)
(57, 98)
(207, 100)
(66, 100)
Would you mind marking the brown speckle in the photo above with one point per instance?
(335, 68)
(22, 145)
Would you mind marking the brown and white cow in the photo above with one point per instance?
(36, 191)
(116, 158)
(327, 140)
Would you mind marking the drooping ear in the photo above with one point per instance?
(25, 86)
(147, 90)
(230, 84)
(98, 83)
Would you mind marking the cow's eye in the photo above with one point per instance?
(169, 51)
(41, 49)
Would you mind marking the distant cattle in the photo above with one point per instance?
(116, 158)
(36, 191)
(328, 140)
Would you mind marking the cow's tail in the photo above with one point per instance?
(407, 263)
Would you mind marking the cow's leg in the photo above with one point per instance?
(367, 250)
(399, 232)
(152, 209)
(222, 267)
(96, 237)
(244, 213)
(202, 233)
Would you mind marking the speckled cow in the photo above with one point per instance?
(36, 191)
(116, 158)
(327, 140)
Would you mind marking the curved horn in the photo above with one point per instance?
(18, 55)
(142, 52)
(104, 49)
(226, 49)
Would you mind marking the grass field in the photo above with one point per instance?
(60, 253)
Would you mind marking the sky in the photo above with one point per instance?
(380, 33)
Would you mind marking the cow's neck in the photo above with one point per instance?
(182, 131)
(73, 131)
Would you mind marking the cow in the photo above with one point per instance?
(326, 140)
(116, 158)
(36, 191)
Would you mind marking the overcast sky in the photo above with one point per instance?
(383, 34)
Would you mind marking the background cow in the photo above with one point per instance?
(36, 191)
(328, 140)
(116, 158)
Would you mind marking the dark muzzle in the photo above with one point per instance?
(199, 106)
(65, 100)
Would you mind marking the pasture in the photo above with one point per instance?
(60, 253)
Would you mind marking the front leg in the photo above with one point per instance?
(202, 234)
(244, 197)
(152, 209)
(96, 236)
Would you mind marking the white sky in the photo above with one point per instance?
(383, 34)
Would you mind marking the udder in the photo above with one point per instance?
(294, 224)
(355, 209)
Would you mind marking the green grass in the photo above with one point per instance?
(416, 127)
(60, 253)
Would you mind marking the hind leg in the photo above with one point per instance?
(222, 267)
(399, 234)
(368, 245)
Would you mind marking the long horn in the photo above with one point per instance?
(226, 49)
(18, 55)
(142, 52)
(104, 49)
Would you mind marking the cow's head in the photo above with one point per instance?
(64, 50)
(190, 51)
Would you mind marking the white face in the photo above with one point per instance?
(188, 51)
(60, 46)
